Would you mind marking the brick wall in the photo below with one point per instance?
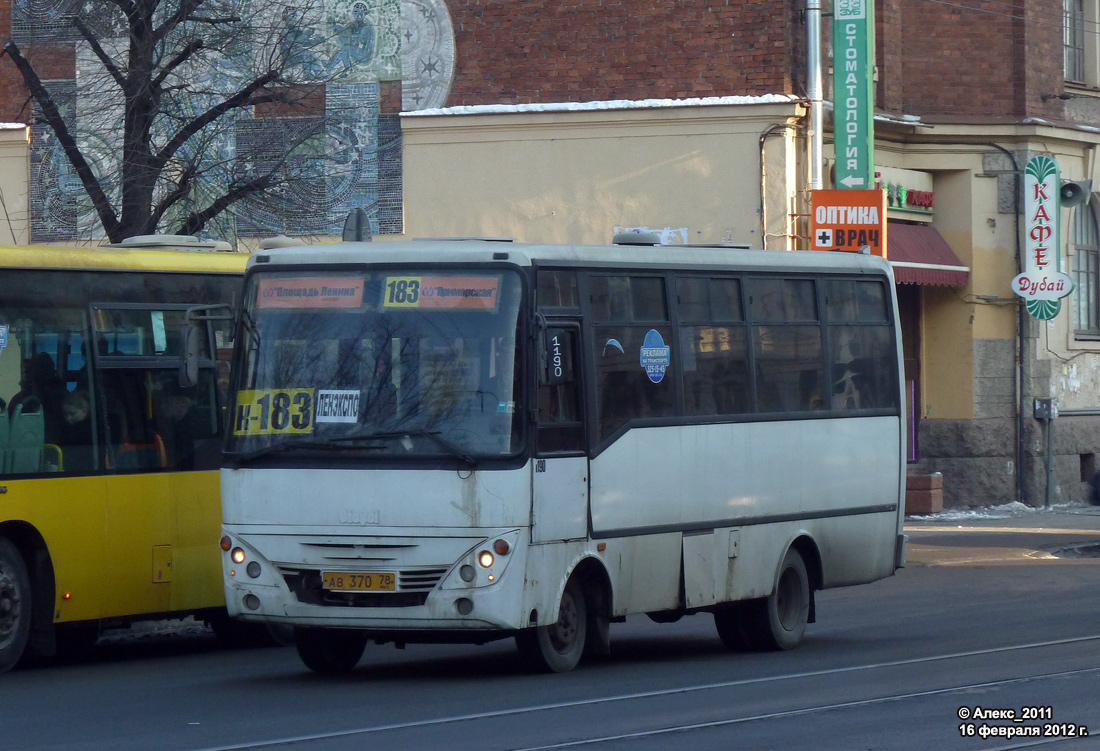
(520, 51)
(965, 62)
(969, 60)
(12, 93)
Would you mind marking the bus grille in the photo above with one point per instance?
(413, 586)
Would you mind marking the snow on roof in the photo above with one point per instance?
(11, 126)
(1053, 124)
(611, 104)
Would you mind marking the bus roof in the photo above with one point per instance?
(447, 251)
(119, 259)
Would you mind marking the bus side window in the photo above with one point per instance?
(862, 350)
(625, 390)
(714, 343)
(154, 424)
(788, 344)
(38, 373)
(188, 422)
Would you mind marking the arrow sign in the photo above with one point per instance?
(853, 93)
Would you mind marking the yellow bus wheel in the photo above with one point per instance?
(15, 605)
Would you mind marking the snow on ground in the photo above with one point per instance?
(1014, 510)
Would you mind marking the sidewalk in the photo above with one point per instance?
(1013, 515)
(1013, 533)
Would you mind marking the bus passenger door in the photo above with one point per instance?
(559, 485)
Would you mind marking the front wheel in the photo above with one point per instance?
(15, 605)
(779, 621)
(558, 648)
(329, 651)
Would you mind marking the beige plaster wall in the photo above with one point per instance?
(15, 167)
(575, 176)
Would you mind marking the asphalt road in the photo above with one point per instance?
(992, 615)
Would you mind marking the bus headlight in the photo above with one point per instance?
(237, 555)
(485, 559)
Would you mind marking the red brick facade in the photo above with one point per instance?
(973, 60)
(982, 59)
(12, 92)
(519, 51)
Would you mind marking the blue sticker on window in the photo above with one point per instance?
(655, 356)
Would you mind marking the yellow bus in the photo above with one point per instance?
(109, 502)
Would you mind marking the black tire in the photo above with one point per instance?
(730, 624)
(330, 651)
(779, 622)
(16, 605)
(558, 648)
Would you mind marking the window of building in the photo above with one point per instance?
(1074, 40)
(1086, 269)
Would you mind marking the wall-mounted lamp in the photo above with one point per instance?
(1064, 96)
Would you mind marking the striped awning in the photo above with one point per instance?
(920, 255)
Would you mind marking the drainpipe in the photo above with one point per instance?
(817, 107)
(1021, 321)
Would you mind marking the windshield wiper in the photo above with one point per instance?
(294, 443)
(432, 435)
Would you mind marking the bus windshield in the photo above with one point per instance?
(389, 363)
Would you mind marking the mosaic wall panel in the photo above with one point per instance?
(55, 191)
(349, 158)
(334, 169)
(44, 20)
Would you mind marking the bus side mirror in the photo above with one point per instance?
(190, 353)
(557, 357)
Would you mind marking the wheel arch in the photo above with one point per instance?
(591, 573)
(815, 570)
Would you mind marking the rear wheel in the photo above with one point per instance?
(779, 621)
(558, 648)
(329, 651)
(15, 605)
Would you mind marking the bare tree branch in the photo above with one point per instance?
(97, 49)
(196, 220)
(183, 13)
(246, 96)
(179, 59)
(88, 179)
(214, 21)
(174, 77)
(183, 186)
